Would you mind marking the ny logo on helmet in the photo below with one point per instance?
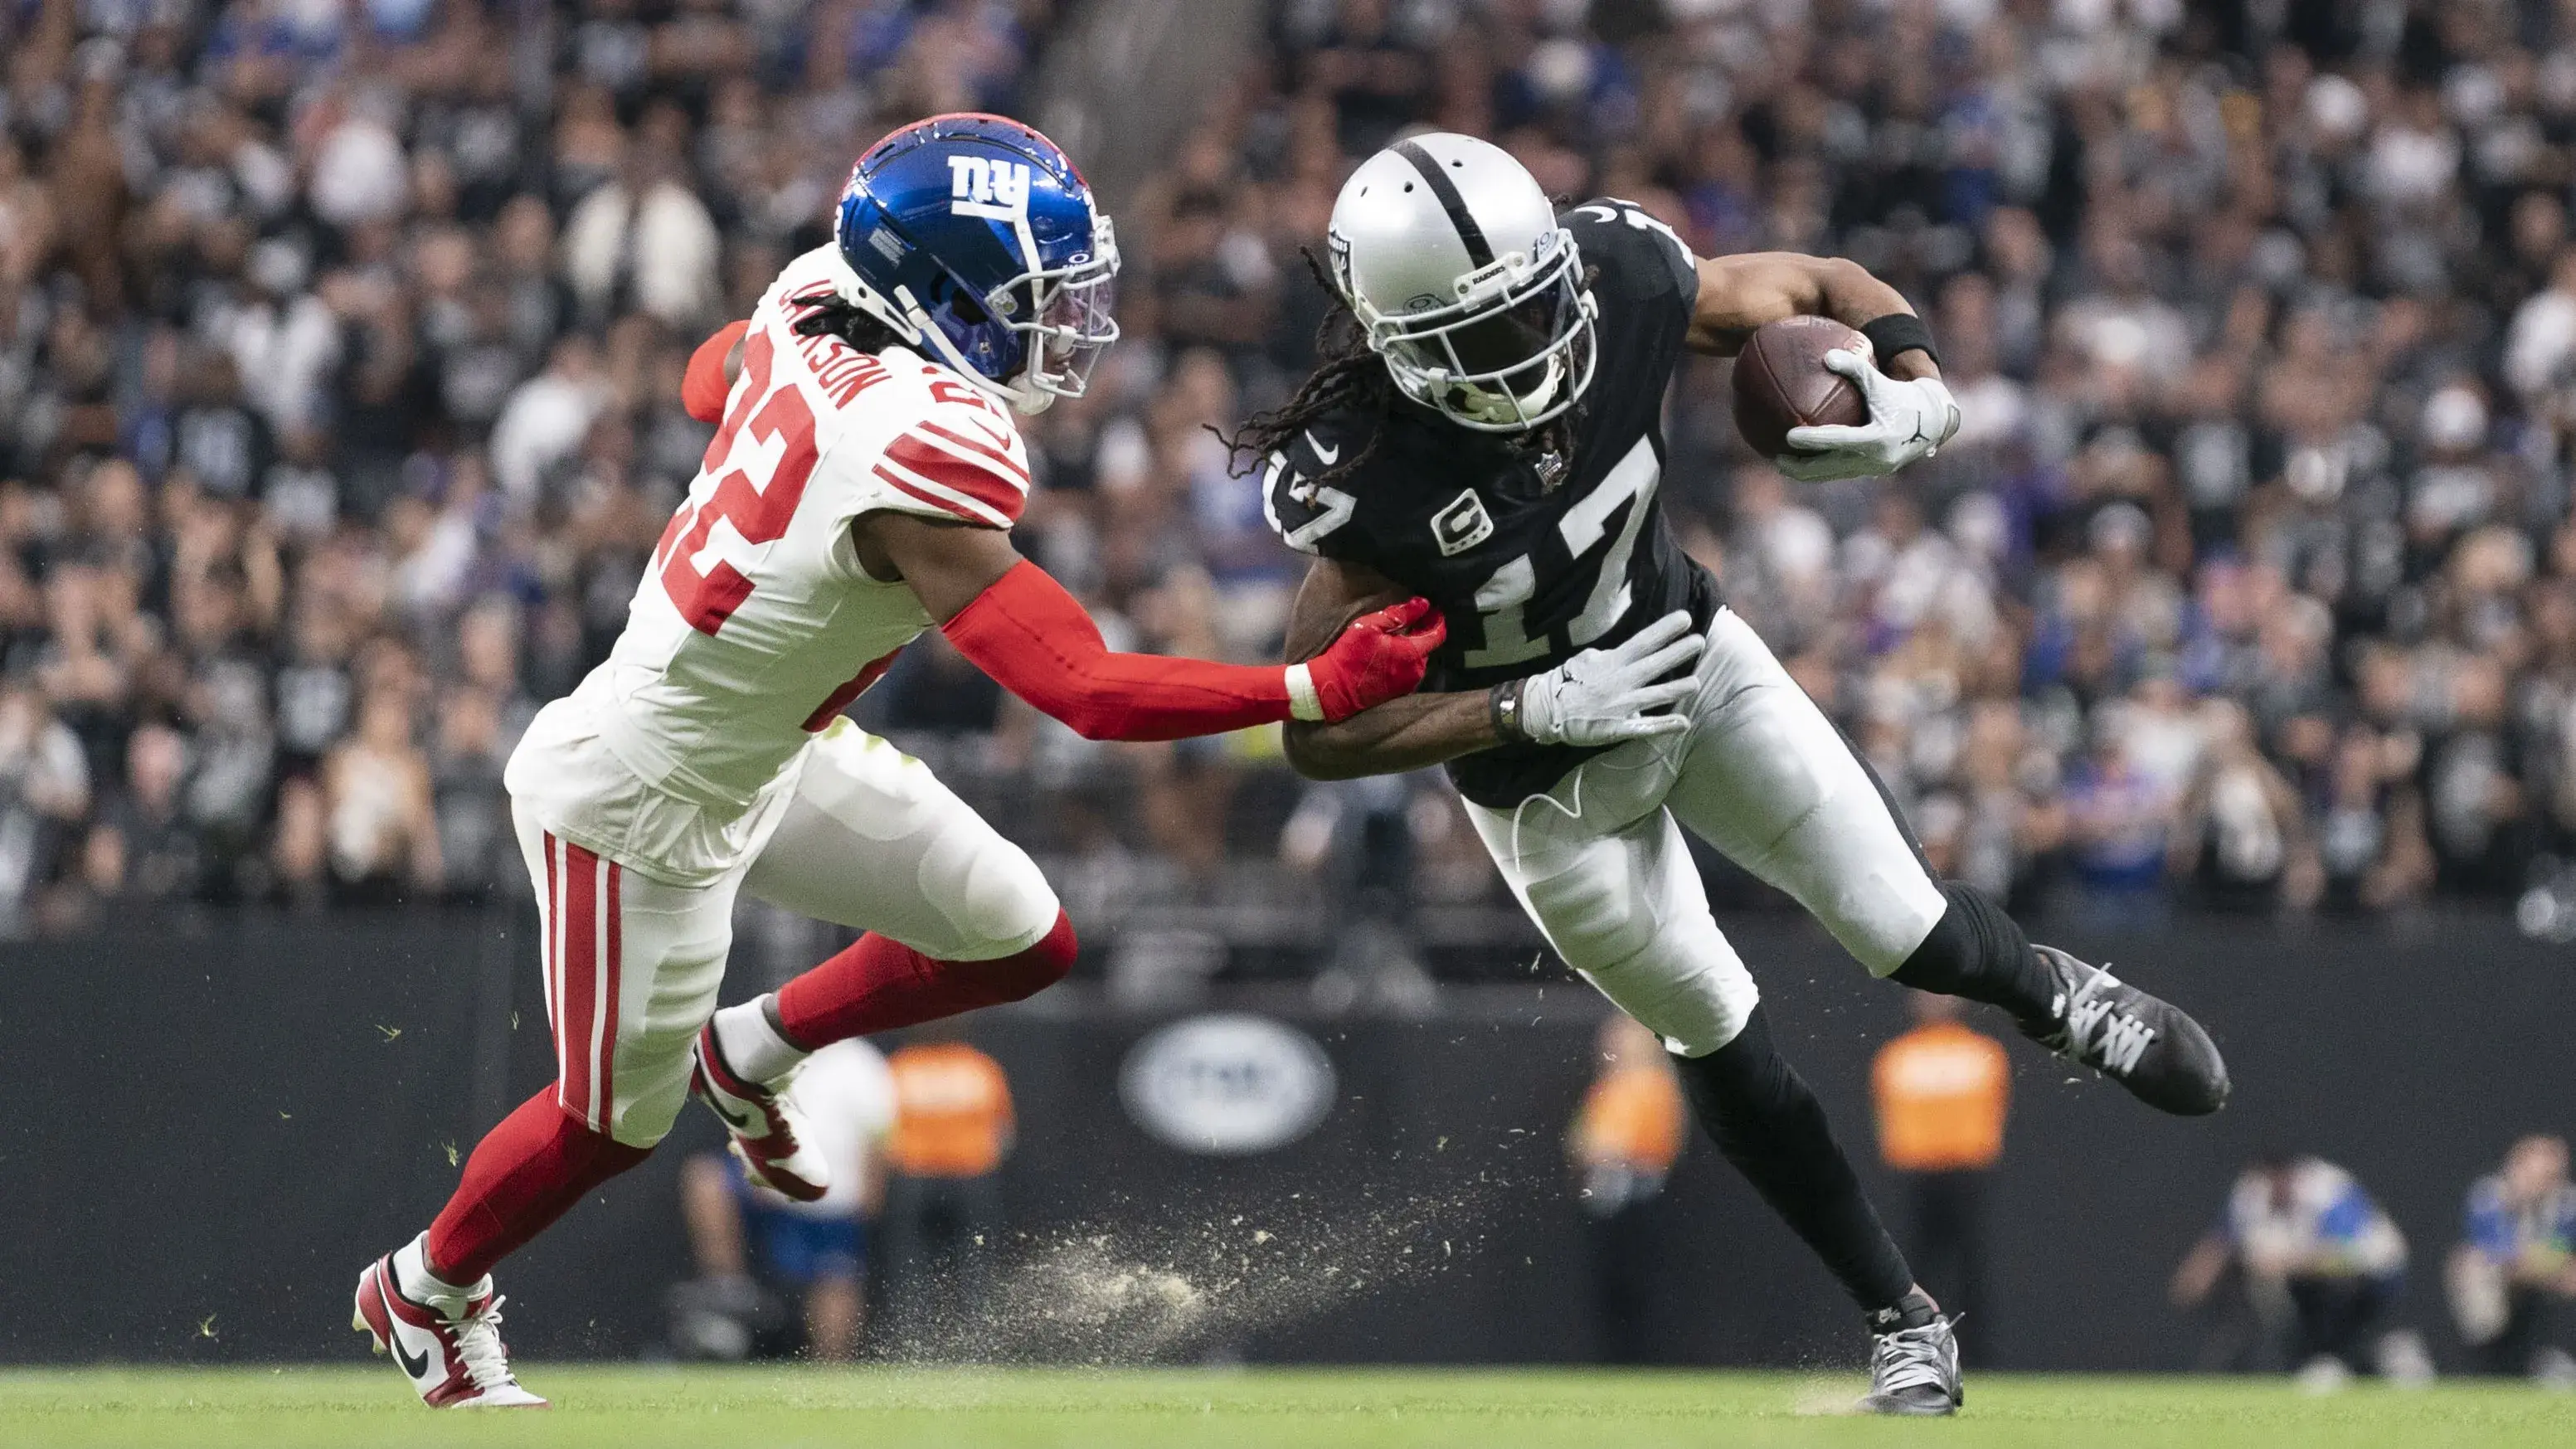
(985, 187)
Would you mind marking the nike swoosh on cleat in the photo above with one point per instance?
(707, 1092)
(416, 1365)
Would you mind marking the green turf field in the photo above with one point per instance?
(632, 1408)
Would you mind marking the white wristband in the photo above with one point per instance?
(1303, 702)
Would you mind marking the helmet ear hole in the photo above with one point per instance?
(968, 307)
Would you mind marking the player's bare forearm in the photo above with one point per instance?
(1411, 733)
(1738, 294)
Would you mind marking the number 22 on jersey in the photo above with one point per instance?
(761, 459)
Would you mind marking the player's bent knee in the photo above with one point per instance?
(1883, 918)
(644, 1130)
(1688, 988)
(1032, 969)
(638, 1100)
(1002, 907)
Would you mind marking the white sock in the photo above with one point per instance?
(412, 1276)
(751, 1046)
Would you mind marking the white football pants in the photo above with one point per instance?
(867, 839)
(1600, 864)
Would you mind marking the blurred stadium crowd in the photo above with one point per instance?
(339, 349)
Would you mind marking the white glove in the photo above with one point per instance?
(1908, 422)
(1603, 696)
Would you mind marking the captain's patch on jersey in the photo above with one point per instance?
(1461, 525)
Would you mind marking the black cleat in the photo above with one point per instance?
(1914, 1371)
(2145, 1044)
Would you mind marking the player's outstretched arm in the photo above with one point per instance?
(1035, 640)
(1598, 697)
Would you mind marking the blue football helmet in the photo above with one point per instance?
(974, 237)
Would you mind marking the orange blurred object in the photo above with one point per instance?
(952, 1111)
(1942, 1091)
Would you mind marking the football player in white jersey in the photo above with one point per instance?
(859, 491)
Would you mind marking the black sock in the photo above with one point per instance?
(1915, 1310)
(1976, 952)
(1764, 1119)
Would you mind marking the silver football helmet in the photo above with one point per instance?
(1451, 257)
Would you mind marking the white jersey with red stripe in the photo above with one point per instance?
(755, 624)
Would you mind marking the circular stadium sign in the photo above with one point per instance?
(1227, 1084)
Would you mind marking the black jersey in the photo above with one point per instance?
(1532, 558)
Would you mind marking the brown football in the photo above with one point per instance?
(1781, 382)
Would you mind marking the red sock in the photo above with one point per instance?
(524, 1174)
(880, 985)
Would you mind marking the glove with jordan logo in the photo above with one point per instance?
(1378, 657)
(1604, 696)
(1908, 422)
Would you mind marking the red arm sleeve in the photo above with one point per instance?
(704, 388)
(1038, 643)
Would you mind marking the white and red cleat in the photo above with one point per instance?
(761, 1126)
(454, 1357)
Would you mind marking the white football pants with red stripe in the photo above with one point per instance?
(869, 839)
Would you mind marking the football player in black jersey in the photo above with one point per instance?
(1485, 431)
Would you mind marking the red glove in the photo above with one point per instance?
(1379, 657)
(704, 387)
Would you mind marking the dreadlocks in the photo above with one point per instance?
(1349, 375)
